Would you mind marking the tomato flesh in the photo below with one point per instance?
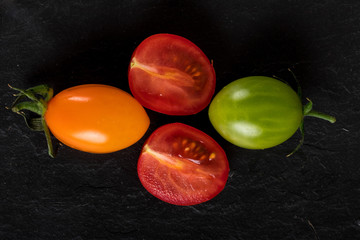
(256, 112)
(96, 118)
(182, 165)
(171, 75)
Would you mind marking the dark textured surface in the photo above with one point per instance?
(314, 194)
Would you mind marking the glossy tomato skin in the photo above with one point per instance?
(96, 118)
(171, 75)
(256, 112)
(182, 165)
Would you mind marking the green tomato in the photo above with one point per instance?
(256, 112)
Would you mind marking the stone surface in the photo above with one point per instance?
(314, 194)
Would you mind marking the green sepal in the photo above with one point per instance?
(39, 96)
(34, 124)
(34, 107)
(299, 91)
(307, 107)
(281, 80)
(43, 90)
(301, 142)
(46, 130)
(307, 112)
(27, 93)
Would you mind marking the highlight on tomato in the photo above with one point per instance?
(171, 75)
(92, 118)
(260, 112)
(182, 165)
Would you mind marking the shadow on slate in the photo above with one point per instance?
(98, 50)
(269, 47)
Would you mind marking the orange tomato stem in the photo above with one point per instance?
(38, 96)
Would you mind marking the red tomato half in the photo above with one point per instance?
(182, 165)
(171, 75)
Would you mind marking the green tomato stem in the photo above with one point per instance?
(320, 115)
(307, 112)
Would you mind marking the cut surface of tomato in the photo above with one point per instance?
(171, 75)
(182, 165)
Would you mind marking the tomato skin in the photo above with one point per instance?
(182, 165)
(171, 75)
(256, 112)
(96, 118)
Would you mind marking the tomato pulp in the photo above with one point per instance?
(182, 165)
(96, 118)
(171, 75)
(256, 112)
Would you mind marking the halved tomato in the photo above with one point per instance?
(182, 165)
(171, 75)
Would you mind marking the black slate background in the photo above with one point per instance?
(314, 194)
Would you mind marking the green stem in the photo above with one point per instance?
(320, 115)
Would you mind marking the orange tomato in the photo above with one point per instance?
(96, 118)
